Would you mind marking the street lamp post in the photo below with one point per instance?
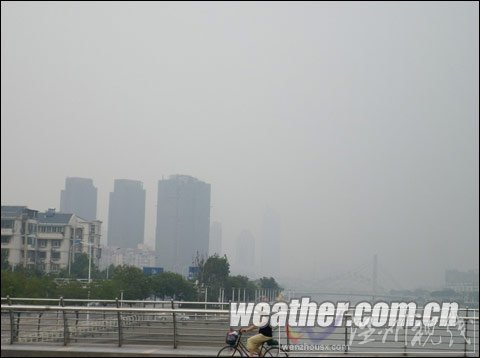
(90, 244)
(206, 295)
(89, 262)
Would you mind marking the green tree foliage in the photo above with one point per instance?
(5, 264)
(40, 287)
(242, 283)
(73, 289)
(215, 271)
(26, 284)
(213, 274)
(269, 282)
(173, 286)
(79, 268)
(132, 282)
(105, 290)
(13, 284)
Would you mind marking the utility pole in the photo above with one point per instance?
(374, 276)
(89, 261)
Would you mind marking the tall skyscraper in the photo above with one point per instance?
(245, 253)
(79, 198)
(216, 238)
(183, 222)
(270, 245)
(126, 214)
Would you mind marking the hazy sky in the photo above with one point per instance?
(356, 122)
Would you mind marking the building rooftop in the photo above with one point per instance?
(51, 217)
(13, 211)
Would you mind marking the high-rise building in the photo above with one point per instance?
(245, 253)
(183, 222)
(126, 214)
(270, 244)
(216, 238)
(79, 198)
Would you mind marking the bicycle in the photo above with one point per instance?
(240, 350)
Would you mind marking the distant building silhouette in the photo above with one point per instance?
(183, 222)
(270, 244)
(140, 257)
(245, 253)
(216, 238)
(126, 214)
(79, 198)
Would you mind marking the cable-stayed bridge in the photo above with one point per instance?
(370, 280)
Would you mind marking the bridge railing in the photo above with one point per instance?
(130, 303)
(67, 324)
(174, 325)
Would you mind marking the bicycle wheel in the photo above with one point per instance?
(275, 352)
(229, 351)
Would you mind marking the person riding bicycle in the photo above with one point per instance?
(264, 334)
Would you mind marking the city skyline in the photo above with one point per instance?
(356, 122)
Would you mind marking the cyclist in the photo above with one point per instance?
(254, 342)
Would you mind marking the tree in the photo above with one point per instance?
(132, 282)
(172, 285)
(269, 282)
(13, 283)
(25, 283)
(213, 275)
(215, 270)
(5, 263)
(107, 272)
(104, 290)
(80, 267)
(73, 289)
(239, 283)
(40, 287)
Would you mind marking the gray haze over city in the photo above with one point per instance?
(357, 123)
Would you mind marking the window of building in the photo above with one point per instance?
(54, 267)
(42, 255)
(50, 229)
(41, 267)
(7, 223)
(56, 243)
(32, 228)
(6, 239)
(55, 255)
(42, 243)
(31, 241)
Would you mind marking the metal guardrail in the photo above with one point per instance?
(143, 322)
(177, 323)
(106, 302)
